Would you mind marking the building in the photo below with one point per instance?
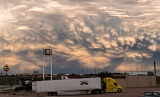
(136, 79)
(147, 73)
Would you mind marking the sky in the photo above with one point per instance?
(96, 35)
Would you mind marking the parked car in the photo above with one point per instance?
(150, 94)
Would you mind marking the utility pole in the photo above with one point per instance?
(51, 65)
(82, 71)
(141, 68)
(94, 71)
(155, 68)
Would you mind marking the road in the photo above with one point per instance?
(128, 92)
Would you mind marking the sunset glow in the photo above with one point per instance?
(110, 35)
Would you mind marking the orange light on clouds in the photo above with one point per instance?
(128, 67)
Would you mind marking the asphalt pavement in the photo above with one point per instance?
(127, 92)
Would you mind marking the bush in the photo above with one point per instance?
(19, 88)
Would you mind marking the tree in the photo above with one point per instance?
(105, 74)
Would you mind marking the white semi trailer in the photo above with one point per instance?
(52, 87)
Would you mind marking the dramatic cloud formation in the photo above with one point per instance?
(112, 35)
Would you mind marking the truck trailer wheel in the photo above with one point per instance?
(49, 94)
(93, 92)
(96, 91)
(52, 94)
(55, 94)
(102, 92)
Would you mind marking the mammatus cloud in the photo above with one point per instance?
(106, 34)
(128, 66)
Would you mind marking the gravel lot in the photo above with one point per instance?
(128, 92)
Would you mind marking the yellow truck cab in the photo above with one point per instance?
(110, 85)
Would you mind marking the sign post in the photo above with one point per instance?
(6, 69)
(43, 64)
(47, 52)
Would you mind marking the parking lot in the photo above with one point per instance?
(128, 92)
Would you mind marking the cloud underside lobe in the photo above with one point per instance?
(88, 34)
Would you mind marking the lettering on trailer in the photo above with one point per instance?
(84, 83)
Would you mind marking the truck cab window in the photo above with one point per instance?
(115, 83)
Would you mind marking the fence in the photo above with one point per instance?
(10, 80)
(137, 81)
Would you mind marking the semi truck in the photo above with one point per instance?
(93, 85)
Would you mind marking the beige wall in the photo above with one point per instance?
(131, 81)
(137, 81)
(153, 81)
(143, 81)
(122, 82)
